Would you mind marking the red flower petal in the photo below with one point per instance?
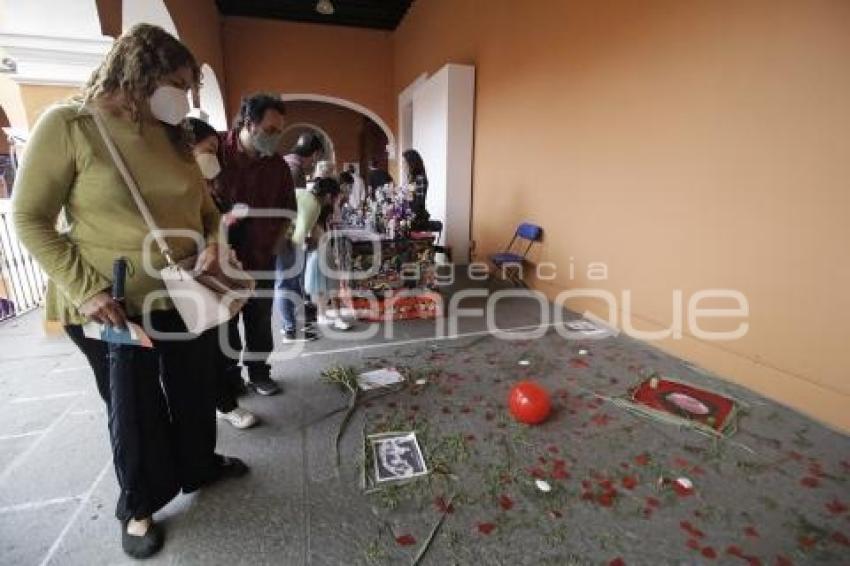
(617, 562)
(560, 474)
(537, 473)
(782, 560)
(810, 481)
(836, 507)
(840, 538)
(807, 542)
(506, 502)
(734, 550)
(751, 532)
(486, 528)
(443, 506)
(642, 459)
(606, 499)
(405, 540)
(709, 552)
(629, 482)
(652, 502)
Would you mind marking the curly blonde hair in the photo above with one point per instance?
(136, 64)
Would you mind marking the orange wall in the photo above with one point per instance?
(688, 145)
(353, 64)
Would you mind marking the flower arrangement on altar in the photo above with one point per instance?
(388, 211)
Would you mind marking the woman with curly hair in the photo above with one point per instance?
(162, 415)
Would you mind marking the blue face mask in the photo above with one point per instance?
(264, 143)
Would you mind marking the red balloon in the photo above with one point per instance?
(529, 403)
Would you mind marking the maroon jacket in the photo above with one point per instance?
(260, 183)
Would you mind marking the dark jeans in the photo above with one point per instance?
(161, 409)
(259, 344)
(289, 286)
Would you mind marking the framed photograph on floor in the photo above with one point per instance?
(397, 456)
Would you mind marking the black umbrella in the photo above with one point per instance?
(122, 414)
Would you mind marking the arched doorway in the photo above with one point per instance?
(390, 147)
(352, 137)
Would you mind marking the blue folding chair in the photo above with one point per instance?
(510, 262)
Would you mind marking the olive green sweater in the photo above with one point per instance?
(67, 166)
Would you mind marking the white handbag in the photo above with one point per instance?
(203, 300)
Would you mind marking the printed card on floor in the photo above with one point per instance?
(397, 456)
(379, 378)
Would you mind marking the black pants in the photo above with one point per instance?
(259, 343)
(229, 382)
(161, 411)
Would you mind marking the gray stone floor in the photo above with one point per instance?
(774, 493)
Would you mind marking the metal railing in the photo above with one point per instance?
(22, 282)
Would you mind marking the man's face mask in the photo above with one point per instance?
(209, 165)
(264, 143)
(169, 104)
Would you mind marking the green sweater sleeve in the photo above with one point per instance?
(43, 184)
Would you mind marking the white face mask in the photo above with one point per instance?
(169, 104)
(208, 163)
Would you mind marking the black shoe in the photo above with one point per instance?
(307, 335)
(264, 386)
(230, 467)
(144, 546)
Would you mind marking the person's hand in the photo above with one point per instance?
(104, 309)
(208, 260)
(236, 214)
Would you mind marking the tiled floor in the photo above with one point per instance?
(776, 492)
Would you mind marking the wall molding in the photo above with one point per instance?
(51, 60)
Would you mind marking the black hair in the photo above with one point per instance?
(254, 108)
(326, 186)
(346, 178)
(415, 165)
(308, 144)
(373, 163)
(198, 130)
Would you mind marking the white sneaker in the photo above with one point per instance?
(340, 324)
(344, 312)
(239, 418)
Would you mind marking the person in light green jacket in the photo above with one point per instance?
(162, 413)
